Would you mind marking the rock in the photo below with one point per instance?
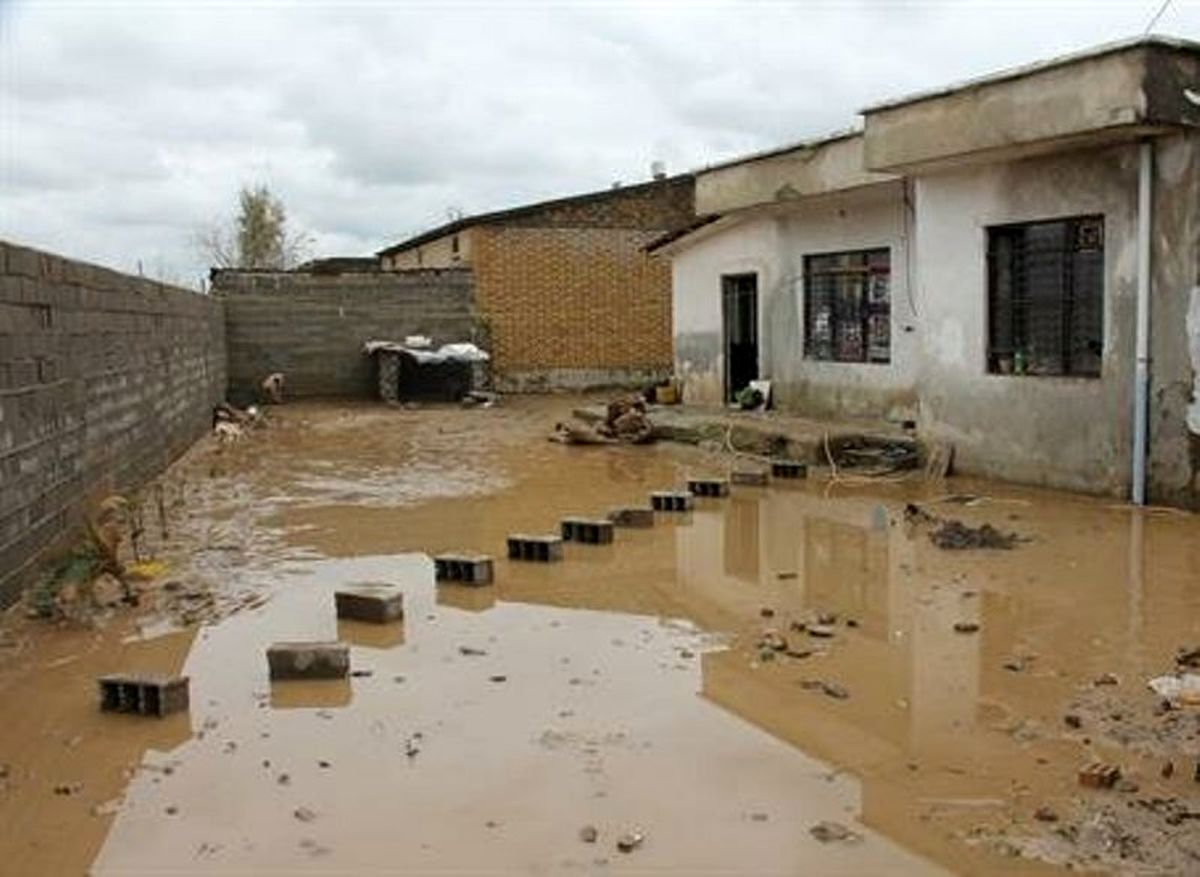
(767, 612)
(304, 814)
(832, 689)
(67, 789)
(588, 834)
(773, 640)
(498, 678)
(797, 627)
(821, 631)
(471, 652)
(758, 817)
(1045, 814)
(827, 618)
(966, 627)
(1106, 679)
(1126, 785)
(171, 810)
(1072, 721)
(828, 832)
(1016, 665)
(1168, 769)
(630, 841)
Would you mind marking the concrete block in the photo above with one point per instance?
(633, 516)
(146, 695)
(1098, 775)
(789, 469)
(469, 569)
(376, 603)
(671, 501)
(708, 487)
(543, 549)
(312, 660)
(749, 477)
(589, 532)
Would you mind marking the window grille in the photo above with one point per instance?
(1046, 297)
(847, 306)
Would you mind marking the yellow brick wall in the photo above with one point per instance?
(572, 298)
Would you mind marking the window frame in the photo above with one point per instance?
(867, 308)
(1068, 302)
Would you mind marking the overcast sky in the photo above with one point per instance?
(124, 127)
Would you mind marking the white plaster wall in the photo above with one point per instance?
(748, 247)
(1071, 432)
(773, 245)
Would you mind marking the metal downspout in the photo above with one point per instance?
(1141, 377)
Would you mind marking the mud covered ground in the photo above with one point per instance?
(787, 659)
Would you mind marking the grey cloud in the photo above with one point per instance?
(124, 127)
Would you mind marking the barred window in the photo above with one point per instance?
(847, 306)
(1046, 297)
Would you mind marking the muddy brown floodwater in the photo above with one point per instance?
(721, 683)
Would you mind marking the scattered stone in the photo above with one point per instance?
(172, 810)
(498, 678)
(1045, 814)
(631, 840)
(1072, 721)
(324, 765)
(588, 834)
(1016, 665)
(784, 576)
(471, 652)
(966, 627)
(1188, 657)
(304, 814)
(821, 631)
(767, 612)
(797, 627)
(1168, 770)
(851, 622)
(686, 653)
(827, 618)
(1097, 775)
(284, 779)
(1106, 679)
(67, 789)
(772, 640)
(798, 653)
(1126, 785)
(362, 674)
(828, 832)
(832, 689)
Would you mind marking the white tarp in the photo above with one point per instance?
(460, 352)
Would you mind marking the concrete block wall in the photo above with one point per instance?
(573, 307)
(312, 327)
(104, 379)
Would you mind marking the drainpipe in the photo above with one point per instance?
(1141, 378)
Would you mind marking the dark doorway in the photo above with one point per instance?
(739, 309)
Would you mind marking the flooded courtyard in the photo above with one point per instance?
(720, 685)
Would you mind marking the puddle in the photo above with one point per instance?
(914, 695)
(440, 761)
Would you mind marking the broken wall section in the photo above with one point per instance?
(312, 327)
(104, 379)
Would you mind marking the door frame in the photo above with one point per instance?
(727, 382)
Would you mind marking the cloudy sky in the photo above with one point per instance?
(127, 126)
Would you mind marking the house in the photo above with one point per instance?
(566, 292)
(1012, 262)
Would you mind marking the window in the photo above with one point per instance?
(454, 245)
(847, 306)
(1046, 297)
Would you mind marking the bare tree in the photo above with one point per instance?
(259, 236)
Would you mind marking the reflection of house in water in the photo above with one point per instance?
(914, 680)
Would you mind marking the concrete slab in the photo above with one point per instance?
(377, 603)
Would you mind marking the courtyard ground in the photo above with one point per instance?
(722, 683)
